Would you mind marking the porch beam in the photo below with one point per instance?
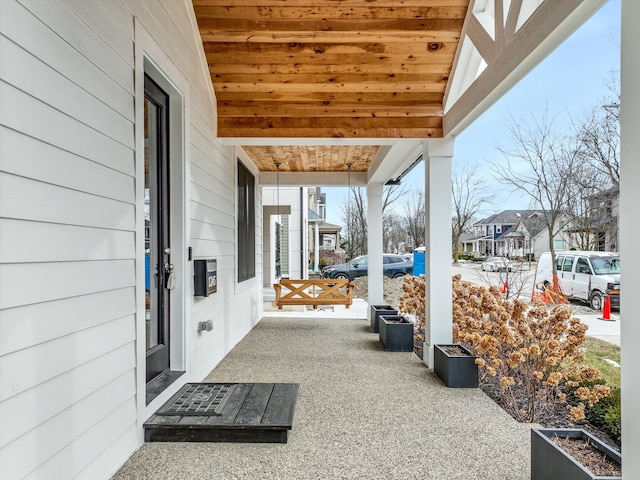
(304, 179)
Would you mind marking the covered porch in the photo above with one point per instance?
(237, 87)
(361, 413)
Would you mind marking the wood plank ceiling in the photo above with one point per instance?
(329, 69)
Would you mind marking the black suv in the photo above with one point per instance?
(393, 266)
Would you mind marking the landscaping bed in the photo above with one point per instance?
(569, 398)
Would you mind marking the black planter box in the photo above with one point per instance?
(548, 460)
(376, 311)
(459, 371)
(396, 333)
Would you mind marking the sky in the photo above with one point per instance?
(570, 82)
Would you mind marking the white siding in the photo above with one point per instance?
(70, 382)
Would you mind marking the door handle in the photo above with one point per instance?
(170, 276)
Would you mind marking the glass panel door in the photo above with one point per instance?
(158, 269)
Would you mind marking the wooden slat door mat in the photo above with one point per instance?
(246, 412)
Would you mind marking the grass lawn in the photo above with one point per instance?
(596, 353)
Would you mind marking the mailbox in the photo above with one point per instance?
(206, 277)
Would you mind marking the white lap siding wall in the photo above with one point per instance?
(71, 386)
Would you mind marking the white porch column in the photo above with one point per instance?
(316, 247)
(374, 244)
(629, 234)
(437, 168)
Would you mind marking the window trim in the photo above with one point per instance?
(246, 223)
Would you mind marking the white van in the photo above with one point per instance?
(586, 276)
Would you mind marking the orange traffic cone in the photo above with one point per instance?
(606, 311)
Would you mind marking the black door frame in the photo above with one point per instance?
(157, 134)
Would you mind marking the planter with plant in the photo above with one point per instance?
(376, 311)
(455, 365)
(396, 333)
(572, 454)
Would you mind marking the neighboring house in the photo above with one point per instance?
(285, 236)
(330, 237)
(326, 236)
(517, 234)
(598, 228)
(466, 244)
(315, 242)
(608, 205)
(529, 238)
(294, 226)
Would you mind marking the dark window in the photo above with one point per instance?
(559, 261)
(393, 260)
(582, 266)
(568, 264)
(246, 224)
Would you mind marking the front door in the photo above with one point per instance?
(159, 271)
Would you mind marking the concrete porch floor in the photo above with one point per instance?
(362, 413)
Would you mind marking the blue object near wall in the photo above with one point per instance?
(419, 261)
(147, 275)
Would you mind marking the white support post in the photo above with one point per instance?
(629, 234)
(374, 244)
(438, 321)
(316, 247)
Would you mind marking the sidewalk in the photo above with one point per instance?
(362, 413)
(607, 330)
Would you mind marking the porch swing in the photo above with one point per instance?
(316, 291)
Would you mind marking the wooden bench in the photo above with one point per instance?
(314, 292)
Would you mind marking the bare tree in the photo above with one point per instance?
(393, 234)
(354, 216)
(469, 194)
(588, 204)
(599, 137)
(392, 193)
(414, 218)
(542, 164)
(596, 186)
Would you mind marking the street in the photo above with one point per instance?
(520, 283)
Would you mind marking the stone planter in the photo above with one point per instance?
(376, 310)
(455, 370)
(549, 460)
(396, 333)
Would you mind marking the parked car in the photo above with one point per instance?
(585, 276)
(496, 264)
(393, 266)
